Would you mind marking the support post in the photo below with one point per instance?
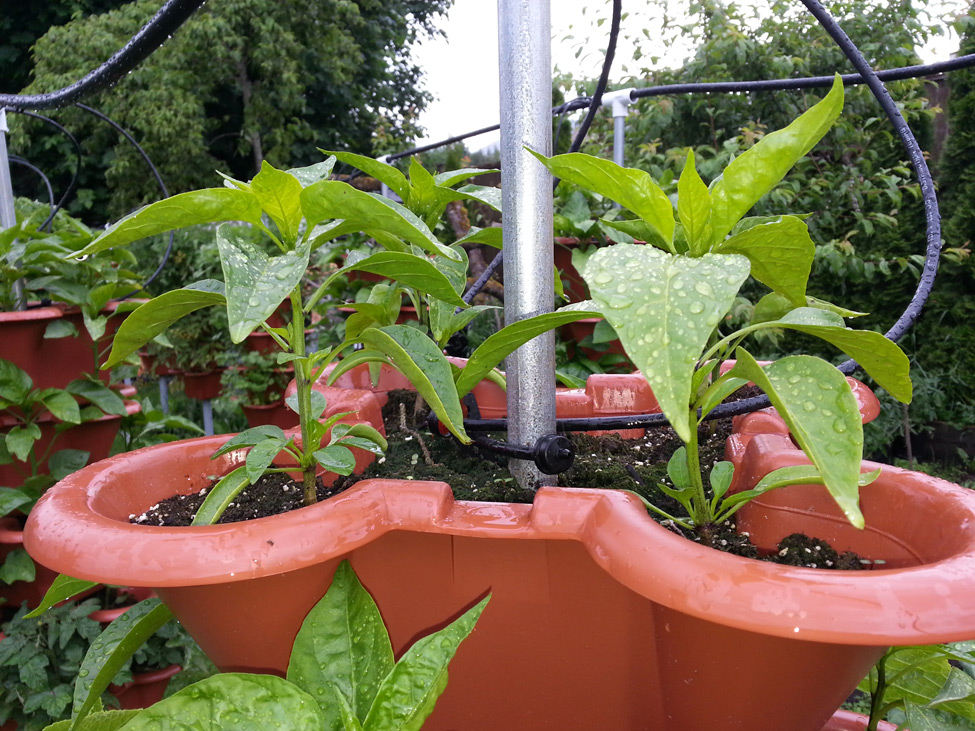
(8, 216)
(524, 44)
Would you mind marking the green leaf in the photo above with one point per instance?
(920, 718)
(101, 721)
(17, 566)
(781, 255)
(882, 359)
(756, 171)
(153, 317)
(342, 642)
(311, 174)
(677, 468)
(409, 269)
(631, 188)
(694, 208)
(11, 499)
(63, 587)
(105, 398)
(15, 384)
(260, 457)
(346, 714)
(211, 205)
(772, 306)
(408, 694)
(62, 405)
(381, 171)
(361, 433)
(505, 341)
(20, 440)
(279, 195)
(373, 215)
(421, 361)
(257, 284)
(489, 196)
(665, 309)
(60, 329)
(720, 479)
(232, 702)
(250, 437)
(819, 407)
(107, 654)
(490, 236)
(220, 496)
(335, 458)
(66, 461)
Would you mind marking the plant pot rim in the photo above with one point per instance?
(918, 605)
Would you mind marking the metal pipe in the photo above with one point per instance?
(524, 45)
(8, 215)
(619, 102)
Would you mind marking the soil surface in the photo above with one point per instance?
(606, 461)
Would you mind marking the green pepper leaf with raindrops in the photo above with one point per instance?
(818, 405)
(256, 283)
(211, 205)
(756, 171)
(279, 194)
(665, 309)
(232, 702)
(342, 642)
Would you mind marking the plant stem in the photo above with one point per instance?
(702, 515)
(303, 386)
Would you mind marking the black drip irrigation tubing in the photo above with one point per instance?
(153, 34)
(69, 191)
(47, 183)
(155, 172)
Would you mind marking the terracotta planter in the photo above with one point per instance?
(203, 386)
(605, 394)
(849, 721)
(145, 688)
(576, 332)
(52, 363)
(573, 285)
(591, 598)
(273, 414)
(95, 437)
(32, 592)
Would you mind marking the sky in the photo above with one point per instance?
(462, 70)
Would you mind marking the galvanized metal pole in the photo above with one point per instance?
(8, 216)
(524, 44)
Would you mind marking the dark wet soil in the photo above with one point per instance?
(605, 461)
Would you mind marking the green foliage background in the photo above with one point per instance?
(241, 81)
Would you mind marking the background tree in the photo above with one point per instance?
(240, 82)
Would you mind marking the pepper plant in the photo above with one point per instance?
(342, 675)
(667, 299)
(298, 211)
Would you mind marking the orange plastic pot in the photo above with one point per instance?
(273, 414)
(95, 437)
(203, 385)
(849, 721)
(52, 362)
(600, 618)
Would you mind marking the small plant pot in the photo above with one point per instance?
(849, 721)
(145, 689)
(95, 437)
(272, 414)
(32, 592)
(203, 386)
(53, 362)
(576, 332)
